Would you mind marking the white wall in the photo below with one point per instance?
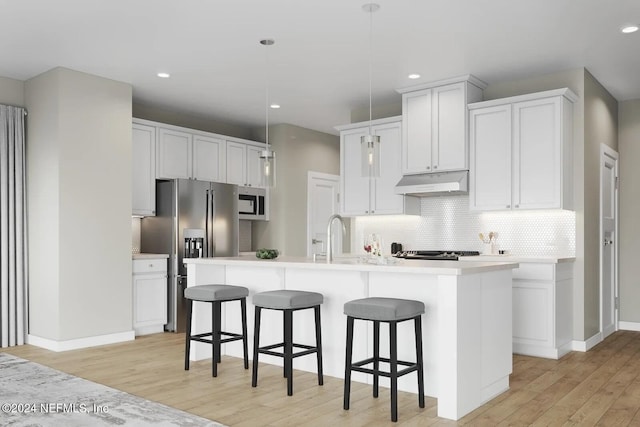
(79, 144)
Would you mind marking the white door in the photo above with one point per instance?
(323, 200)
(209, 158)
(236, 163)
(608, 240)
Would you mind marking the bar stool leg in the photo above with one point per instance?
(218, 305)
(187, 346)
(243, 308)
(215, 338)
(418, 329)
(256, 346)
(284, 341)
(347, 363)
(288, 349)
(393, 329)
(316, 309)
(376, 356)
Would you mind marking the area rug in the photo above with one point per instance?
(33, 395)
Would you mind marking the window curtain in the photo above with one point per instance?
(13, 227)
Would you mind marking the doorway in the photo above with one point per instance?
(608, 241)
(323, 200)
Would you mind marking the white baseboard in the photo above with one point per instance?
(629, 326)
(588, 344)
(80, 342)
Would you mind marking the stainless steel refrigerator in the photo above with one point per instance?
(194, 219)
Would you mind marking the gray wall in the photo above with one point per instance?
(629, 145)
(11, 92)
(298, 151)
(79, 144)
(189, 121)
(595, 121)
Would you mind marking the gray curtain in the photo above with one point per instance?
(13, 227)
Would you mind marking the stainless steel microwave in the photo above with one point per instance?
(252, 203)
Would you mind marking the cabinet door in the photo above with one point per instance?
(236, 163)
(150, 299)
(173, 154)
(490, 169)
(355, 189)
(254, 174)
(385, 200)
(449, 148)
(209, 158)
(143, 170)
(416, 132)
(537, 146)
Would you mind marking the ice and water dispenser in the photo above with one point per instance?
(193, 242)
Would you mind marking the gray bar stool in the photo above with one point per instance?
(391, 311)
(216, 295)
(287, 301)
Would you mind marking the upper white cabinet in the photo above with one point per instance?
(364, 195)
(521, 152)
(188, 155)
(243, 164)
(435, 124)
(143, 170)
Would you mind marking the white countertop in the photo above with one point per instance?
(519, 259)
(149, 256)
(456, 268)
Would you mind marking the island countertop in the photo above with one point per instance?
(354, 263)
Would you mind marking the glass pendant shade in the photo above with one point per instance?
(370, 148)
(268, 168)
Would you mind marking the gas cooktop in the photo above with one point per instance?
(435, 255)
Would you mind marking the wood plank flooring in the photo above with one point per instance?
(597, 388)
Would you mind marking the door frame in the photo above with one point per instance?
(608, 152)
(311, 176)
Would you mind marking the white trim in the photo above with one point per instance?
(539, 351)
(80, 342)
(629, 326)
(458, 79)
(608, 152)
(565, 92)
(588, 344)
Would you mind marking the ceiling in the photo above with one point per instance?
(318, 69)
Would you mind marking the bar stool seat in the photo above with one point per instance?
(391, 311)
(216, 295)
(287, 301)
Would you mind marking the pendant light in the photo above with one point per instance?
(267, 156)
(370, 144)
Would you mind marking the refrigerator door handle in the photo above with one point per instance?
(213, 219)
(206, 226)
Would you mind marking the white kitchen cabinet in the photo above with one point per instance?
(364, 195)
(243, 164)
(435, 124)
(174, 154)
(149, 295)
(209, 158)
(521, 152)
(143, 177)
(190, 155)
(542, 309)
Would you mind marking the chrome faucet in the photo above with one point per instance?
(329, 235)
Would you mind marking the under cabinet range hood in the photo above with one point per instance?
(434, 184)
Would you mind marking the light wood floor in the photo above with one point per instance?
(600, 387)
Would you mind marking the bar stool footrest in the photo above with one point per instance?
(358, 367)
(266, 350)
(202, 337)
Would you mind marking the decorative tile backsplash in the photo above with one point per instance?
(446, 223)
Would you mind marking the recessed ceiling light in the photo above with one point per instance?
(164, 75)
(414, 76)
(628, 29)
(275, 106)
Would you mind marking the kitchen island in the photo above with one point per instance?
(466, 327)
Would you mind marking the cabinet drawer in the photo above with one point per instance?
(151, 265)
(533, 271)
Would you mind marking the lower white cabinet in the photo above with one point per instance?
(542, 309)
(149, 295)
